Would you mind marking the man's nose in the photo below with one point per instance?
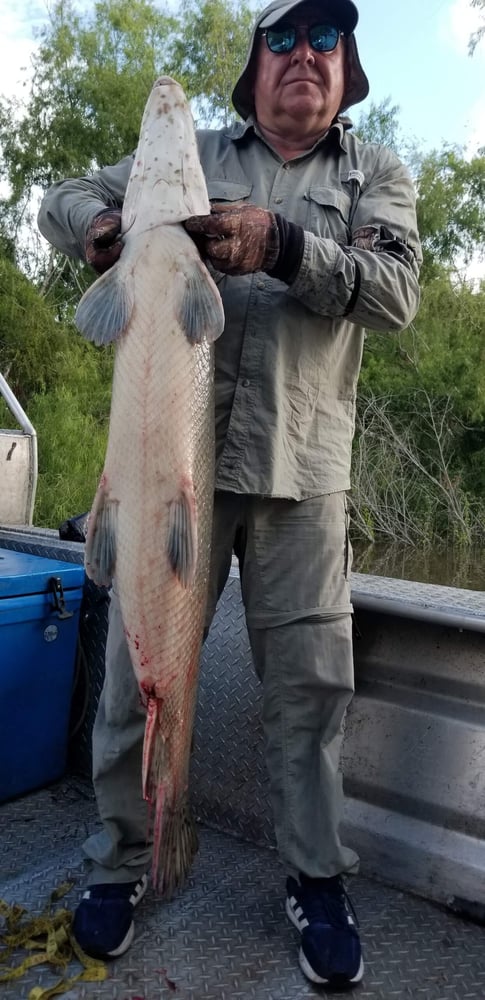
(302, 52)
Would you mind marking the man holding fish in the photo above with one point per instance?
(311, 238)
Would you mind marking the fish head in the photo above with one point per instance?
(166, 183)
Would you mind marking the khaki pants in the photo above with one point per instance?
(294, 560)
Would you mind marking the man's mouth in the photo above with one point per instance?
(301, 79)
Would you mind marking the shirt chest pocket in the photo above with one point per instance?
(228, 190)
(328, 213)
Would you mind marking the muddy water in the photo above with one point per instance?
(464, 568)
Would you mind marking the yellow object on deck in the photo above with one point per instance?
(50, 939)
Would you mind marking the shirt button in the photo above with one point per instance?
(260, 284)
(278, 201)
(246, 382)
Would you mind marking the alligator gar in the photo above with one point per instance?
(150, 525)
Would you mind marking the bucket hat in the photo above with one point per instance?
(345, 15)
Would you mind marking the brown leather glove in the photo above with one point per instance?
(103, 240)
(236, 238)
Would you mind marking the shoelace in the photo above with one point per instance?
(328, 904)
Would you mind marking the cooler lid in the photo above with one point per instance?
(22, 573)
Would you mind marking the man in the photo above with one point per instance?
(311, 238)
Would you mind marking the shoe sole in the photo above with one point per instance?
(128, 938)
(125, 944)
(306, 967)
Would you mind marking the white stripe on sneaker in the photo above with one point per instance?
(295, 913)
(139, 890)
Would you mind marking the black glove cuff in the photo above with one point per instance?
(292, 242)
(111, 234)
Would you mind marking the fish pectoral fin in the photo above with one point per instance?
(105, 309)
(182, 537)
(100, 552)
(200, 312)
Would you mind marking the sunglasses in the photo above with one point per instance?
(322, 37)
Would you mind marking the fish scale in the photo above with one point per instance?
(150, 526)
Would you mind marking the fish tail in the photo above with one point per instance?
(175, 843)
(174, 832)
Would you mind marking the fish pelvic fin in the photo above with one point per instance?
(105, 309)
(100, 551)
(182, 536)
(149, 745)
(200, 311)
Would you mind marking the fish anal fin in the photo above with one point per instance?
(106, 307)
(100, 552)
(149, 744)
(200, 311)
(182, 536)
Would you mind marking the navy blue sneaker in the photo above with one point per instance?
(330, 951)
(103, 922)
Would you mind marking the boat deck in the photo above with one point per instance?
(415, 812)
(226, 936)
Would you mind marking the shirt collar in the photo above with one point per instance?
(336, 131)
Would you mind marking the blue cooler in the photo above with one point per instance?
(39, 620)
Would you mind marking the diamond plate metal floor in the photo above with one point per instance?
(226, 937)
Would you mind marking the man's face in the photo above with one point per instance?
(301, 90)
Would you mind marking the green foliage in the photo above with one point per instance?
(92, 75)
(91, 78)
(31, 343)
(381, 125)
(209, 54)
(442, 353)
(72, 428)
(409, 473)
(451, 209)
(63, 385)
(421, 426)
(420, 448)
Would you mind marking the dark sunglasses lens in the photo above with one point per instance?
(323, 37)
(281, 41)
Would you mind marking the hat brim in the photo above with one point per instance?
(346, 18)
(343, 12)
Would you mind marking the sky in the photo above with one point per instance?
(414, 52)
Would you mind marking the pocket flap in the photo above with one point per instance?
(333, 197)
(228, 190)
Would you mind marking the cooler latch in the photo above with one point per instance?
(56, 589)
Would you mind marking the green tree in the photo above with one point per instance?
(91, 77)
(209, 54)
(63, 383)
(451, 209)
(381, 124)
(92, 74)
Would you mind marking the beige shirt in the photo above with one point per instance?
(288, 362)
